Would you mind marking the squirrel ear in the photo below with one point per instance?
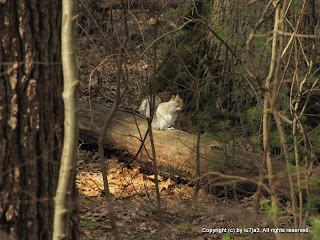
(173, 96)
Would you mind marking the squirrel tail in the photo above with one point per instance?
(144, 108)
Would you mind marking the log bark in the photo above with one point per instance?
(141, 4)
(175, 149)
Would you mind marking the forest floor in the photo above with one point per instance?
(133, 190)
(134, 201)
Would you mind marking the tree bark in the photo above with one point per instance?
(31, 117)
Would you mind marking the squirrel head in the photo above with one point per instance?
(177, 100)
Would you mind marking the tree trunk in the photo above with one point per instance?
(31, 117)
(67, 172)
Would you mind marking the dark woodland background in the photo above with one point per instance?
(242, 87)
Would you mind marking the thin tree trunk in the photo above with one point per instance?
(197, 187)
(287, 158)
(101, 141)
(63, 198)
(154, 159)
(267, 120)
(155, 170)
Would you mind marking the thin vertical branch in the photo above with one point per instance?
(288, 164)
(267, 120)
(295, 137)
(63, 201)
(104, 165)
(154, 160)
(197, 187)
(155, 170)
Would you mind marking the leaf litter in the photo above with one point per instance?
(134, 201)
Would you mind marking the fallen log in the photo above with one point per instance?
(141, 4)
(176, 150)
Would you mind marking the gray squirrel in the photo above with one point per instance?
(166, 112)
(144, 108)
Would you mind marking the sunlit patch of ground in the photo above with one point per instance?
(134, 201)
